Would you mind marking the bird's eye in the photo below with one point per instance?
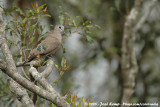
(60, 27)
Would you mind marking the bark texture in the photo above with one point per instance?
(8, 67)
(129, 63)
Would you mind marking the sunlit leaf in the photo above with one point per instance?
(56, 66)
(68, 99)
(40, 8)
(47, 15)
(35, 5)
(84, 102)
(53, 105)
(63, 61)
(45, 10)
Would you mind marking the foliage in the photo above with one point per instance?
(24, 31)
(74, 101)
(77, 102)
(62, 69)
(79, 24)
(110, 14)
(25, 27)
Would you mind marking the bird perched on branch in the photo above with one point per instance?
(47, 46)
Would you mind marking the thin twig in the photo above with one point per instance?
(22, 67)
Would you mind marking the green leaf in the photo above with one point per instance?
(89, 39)
(6, 29)
(32, 38)
(41, 28)
(40, 38)
(30, 14)
(78, 105)
(53, 105)
(48, 15)
(40, 8)
(68, 99)
(97, 26)
(71, 25)
(19, 11)
(20, 24)
(62, 61)
(18, 42)
(56, 66)
(8, 11)
(84, 102)
(86, 23)
(64, 50)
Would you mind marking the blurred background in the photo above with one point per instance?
(96, 67)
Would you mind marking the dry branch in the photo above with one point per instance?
(20, 93)
(128, 60)
(41, 79)
(8, 67)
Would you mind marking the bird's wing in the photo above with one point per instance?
(47, 46)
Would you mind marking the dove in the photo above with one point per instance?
(49, 45)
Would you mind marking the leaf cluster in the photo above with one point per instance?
(62, 69)
(77, 102)
(24, 26)
(78, 25)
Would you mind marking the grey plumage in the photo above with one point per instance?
(49, 45)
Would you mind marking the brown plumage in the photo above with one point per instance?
(49, 45)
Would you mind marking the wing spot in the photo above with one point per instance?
(44, 47)
(39, 48)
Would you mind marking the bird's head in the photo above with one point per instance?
(59, 28)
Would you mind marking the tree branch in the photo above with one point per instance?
(48, 69)
(145, 15)
(20, 93)
(59, 101)
(129, 63)
(128, 60)
(37, 76)
(16, 89)
(11, 71)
